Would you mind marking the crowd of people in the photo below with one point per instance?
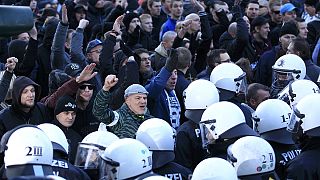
(160, 89)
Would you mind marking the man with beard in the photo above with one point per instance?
(24, 109)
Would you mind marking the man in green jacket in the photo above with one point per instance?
(123, 122)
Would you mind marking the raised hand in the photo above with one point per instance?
(64, 14)
(11, 64)
(87, 73)
(83, 23)
(110, 81)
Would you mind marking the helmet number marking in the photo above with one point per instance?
(285, 118)
(34, 151)
(147, 162)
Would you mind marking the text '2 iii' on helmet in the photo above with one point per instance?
(27, 152)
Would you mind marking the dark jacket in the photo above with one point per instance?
(59, 57)
(157, 98)
(263, 73)
(5, 84)
(188, 150)
(66, 170)
(314, 32)
(44, 52)
(241, 45)
(313, 71)
(85, 122)
(14, 116)
(285, 153)
(78, 57)
(141, 39)
(182, 84)
(27, 58)
(219, 28)
(306, 165)
(174, 171)
(73, 139)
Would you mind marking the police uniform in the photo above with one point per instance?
(173, 171)
(66, 170)
(284, 154)
(189, 152)
(306, 166)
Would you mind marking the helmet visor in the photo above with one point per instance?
(109, 169)
(281, 79)
(295, 120)
(88, 156)
(208, 134)
(242, 84)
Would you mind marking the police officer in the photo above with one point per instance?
(159, 137)
(60, 165)
(306, 127)
(232, 85)
(222, 124)
(252, 158)
(286, 69)
(28, 152)
(199, 95)
(126, 159)
(270, 121)
(91, 146)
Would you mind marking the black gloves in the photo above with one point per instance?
(172, 61)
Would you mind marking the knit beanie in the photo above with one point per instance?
(128, 18)
(17, 48)
(289, 28)
(65, 103)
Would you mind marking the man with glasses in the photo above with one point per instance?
(145, 70)
(82, 88)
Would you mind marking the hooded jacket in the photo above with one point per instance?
(13, 116)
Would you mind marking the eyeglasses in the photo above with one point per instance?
(83, 87)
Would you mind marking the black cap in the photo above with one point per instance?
(258, 21)
(65, 103)
(72, 69)
(128, 18)
(289, 28)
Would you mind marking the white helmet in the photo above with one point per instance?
(214, 169)
(56, 136)
(125, 158)
(91, 147)
(271, 119)
(26, 145)
(223, 120)
(251, 155)
(156, 134)
(159, 137)
(230, 77)
(291, 63)
(306, 113)
(294, 92)
(200, 94)
(156, 178)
